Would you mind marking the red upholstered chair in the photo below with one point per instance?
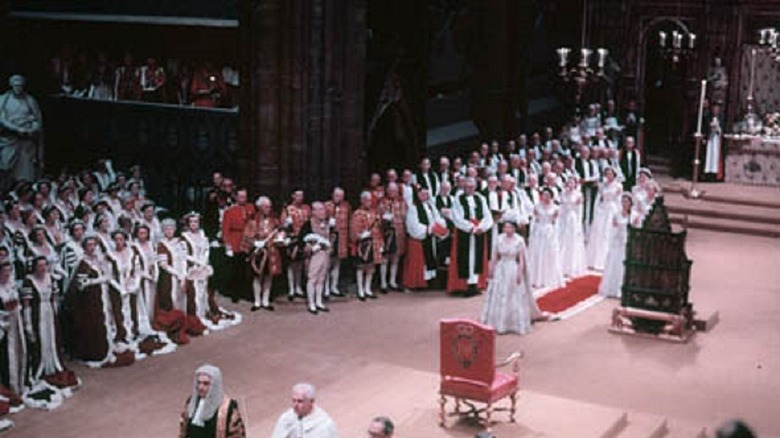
(468, 371)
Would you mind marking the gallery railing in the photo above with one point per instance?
(177, 147)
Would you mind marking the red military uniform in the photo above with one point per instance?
(262, 229)
(398, 208)
(366, 220)
(233, 223)
(298, 215)
(341, 214)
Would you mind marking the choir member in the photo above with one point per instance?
(366, 238)
(587, 168)
(443, 203)
(427, 178)
(630, 163)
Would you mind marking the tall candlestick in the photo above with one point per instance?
(662, 39)
(701, 105)
(752, 71)
(691, 40)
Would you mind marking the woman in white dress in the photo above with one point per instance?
(612, 281)
(509, 305)
(643, 204)
(571, 237)
(544, 260)
(607, 205)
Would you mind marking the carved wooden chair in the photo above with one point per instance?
(469, 374)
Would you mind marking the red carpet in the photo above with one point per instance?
(574, 292)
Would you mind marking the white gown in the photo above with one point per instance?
(544, 260)
(607, 205)
(571, 237)
(612, 280)
(507, 305)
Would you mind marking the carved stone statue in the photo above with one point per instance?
(21, 145)
(718, 79)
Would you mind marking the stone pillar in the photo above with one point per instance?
(302, 111)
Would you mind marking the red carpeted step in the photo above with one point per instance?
(574, 292)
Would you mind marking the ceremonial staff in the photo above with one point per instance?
(693, 192)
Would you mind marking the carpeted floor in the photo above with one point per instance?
(576, 291)
(381, 357)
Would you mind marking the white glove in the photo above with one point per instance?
(387, 216)
(332, 222)
(259, 244)
(288, 221)
(316, 248)
(365, 234)
(228, 251)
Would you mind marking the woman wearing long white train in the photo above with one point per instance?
(612, 280)
(544, 260)
(507, 306)
(571, 236)
(607, 205)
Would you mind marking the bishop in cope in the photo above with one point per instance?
(472, 219)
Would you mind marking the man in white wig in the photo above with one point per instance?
(304, 419)
(209, 413)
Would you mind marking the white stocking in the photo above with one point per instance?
(360, 276)
(383, 275)
(369, 279)
(394, 271)
(266, 294)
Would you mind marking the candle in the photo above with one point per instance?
(752, 71)
(585, 55)
(762, 36)
(602, 57)
(662, 39)
(677, 39)
(691, 40)
(701, 105)
(563, 54)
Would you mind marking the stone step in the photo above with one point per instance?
(678, 204)
(725, 225)
(658, 160)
